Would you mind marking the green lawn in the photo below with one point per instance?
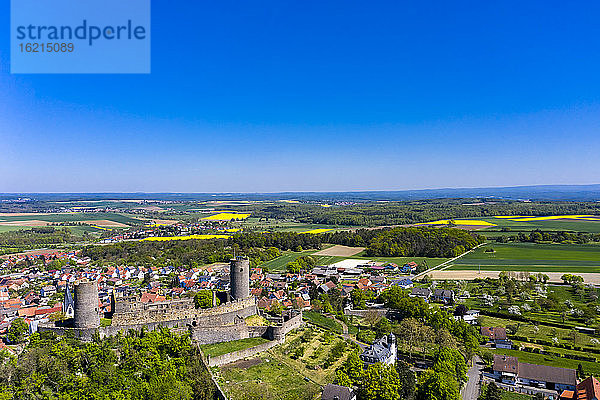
(217, 349)
(515, 396)
(541, 359)
(322, 321)
(279, 263)
(533, 257)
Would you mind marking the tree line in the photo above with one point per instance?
(140, 365)
(411, 212)
(539, 236)
(38, 236)
(176, 253)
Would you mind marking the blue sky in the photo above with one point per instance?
(319, 95)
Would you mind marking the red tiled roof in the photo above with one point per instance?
(588, 389)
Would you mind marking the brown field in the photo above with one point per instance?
(593, 278)
(163, 221)
(46, 252)
(31, 222)
(105, 223)
(340, 251)
(151, 208)
(22, 214)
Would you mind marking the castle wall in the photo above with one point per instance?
(241, 354)
(180, 311)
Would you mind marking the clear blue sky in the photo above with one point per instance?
(319, 95)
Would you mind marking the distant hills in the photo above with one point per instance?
(540, 193)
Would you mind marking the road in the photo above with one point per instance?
(445, 264)
(471, 389)
(346, 335)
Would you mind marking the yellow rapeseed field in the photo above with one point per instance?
(226, 216)
(317, 231)
(520, 218)
(472, 222)
(188, 237)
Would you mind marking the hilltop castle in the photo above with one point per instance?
(220, 323)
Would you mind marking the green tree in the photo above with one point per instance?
(408, 380)
(380, 382)
(493, 392)
(203, 299)
(451, 361)
(434, 385)
(17, 331)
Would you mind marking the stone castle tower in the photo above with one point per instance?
(239, 278)
(87, 313)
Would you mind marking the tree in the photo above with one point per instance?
(493, 392)
(437, 386)
(383, 327)
(450, 361)
(580, 371)
(408, 380)
(353, 367)
(203, 299)
(380, 382)
(358, 299)
(460, 310)
(18, 329)
(488, 357)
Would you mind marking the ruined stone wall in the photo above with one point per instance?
(180, 310)
(241, 354)
(217, 334)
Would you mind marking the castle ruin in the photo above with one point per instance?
(222, 323)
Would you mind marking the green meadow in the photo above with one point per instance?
(533, 257)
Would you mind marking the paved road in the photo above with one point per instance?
(472, 387)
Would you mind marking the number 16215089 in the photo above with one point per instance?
(46, 47)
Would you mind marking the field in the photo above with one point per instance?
(286, 225)
(188, 237)
(218, 349)
(533, 257)
(340, 251)
(296, 369)
(226, 216)
(529, 224)
(279, 263)
(96, 221)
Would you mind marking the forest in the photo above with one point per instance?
(261, 247)
(384, 242)
(411, 212)
(175, 253)
(139, 366)
(36, 237)
(539, 236)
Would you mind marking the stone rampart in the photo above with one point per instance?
(241, 354)
(179, 310)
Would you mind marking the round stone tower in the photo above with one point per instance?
(239, 278)
(87, 313)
